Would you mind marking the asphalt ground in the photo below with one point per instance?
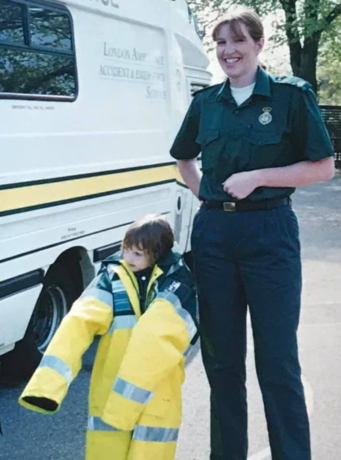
(31, 436)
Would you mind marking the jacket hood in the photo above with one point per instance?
(169, 259)
(113, 259)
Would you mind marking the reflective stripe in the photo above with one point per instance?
(175, 267)
(123, 322)
(152, 434)
(99, 294)
(97, 424)
(188, 351)
(175, 301)
(58, 365)
(132, 392)
(172, 298)
(118, 286)
(121, 298)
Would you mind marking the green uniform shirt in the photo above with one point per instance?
(280, 124)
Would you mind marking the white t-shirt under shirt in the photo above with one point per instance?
(241, 94)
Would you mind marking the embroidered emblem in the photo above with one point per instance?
(266, 116)
(174, 286)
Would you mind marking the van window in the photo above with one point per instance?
(36, 52)
(11, 26)
(50, 29)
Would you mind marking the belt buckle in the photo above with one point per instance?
(229, 206)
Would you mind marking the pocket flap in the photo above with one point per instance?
(262, 138)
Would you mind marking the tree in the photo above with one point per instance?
(329, 67)
(304, 22)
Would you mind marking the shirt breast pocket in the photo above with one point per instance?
(266, 149)
(210, 147)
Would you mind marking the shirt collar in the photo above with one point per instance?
(261, 88)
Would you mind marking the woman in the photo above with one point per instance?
(260, 137)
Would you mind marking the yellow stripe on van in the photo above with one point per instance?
(39, 195)
(178, 177)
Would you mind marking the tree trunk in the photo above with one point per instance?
(308, 61)
(303, 56)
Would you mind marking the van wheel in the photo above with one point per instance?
(54, 302)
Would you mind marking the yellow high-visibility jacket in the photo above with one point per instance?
(135, 392)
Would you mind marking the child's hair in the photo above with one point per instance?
(151, 234)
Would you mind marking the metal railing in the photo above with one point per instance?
(332, 117)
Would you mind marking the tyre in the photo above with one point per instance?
(55, 300)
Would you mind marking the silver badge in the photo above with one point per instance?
(266, 116)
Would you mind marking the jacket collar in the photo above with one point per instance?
(262, 87)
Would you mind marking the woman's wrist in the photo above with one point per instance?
(259, 177)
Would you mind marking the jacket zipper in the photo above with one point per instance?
(137, 288)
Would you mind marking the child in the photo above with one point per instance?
(143, 306)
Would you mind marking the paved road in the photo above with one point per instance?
(29, 436)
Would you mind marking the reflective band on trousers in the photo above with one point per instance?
(175, 301)
(98, 294)
(152, 434)
(123, 322)
(58, 365)
(132, 392)
(97, 424)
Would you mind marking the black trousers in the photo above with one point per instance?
(251, 259)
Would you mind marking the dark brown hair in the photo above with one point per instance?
(237, 16)
(151, 234)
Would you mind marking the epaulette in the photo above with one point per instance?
(294, 81)
(206, 89)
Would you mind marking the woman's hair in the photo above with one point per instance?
(237, 16)
(151, 234)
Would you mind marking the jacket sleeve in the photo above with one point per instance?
(159, 342)
(90, 315)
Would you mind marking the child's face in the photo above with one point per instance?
(136, 258)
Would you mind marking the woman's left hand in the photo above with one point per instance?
(240, 185)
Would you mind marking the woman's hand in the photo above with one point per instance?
(240, 185)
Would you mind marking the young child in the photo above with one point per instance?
(144, 307)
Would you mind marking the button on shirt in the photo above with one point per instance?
(279, 125)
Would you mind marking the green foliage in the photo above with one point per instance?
(307, 18)
(329, 67)
(298, 23)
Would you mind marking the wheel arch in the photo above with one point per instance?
(77, 262)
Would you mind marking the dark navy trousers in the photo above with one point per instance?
(251, 259)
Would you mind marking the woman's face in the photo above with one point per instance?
(238, 56)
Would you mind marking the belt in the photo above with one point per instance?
(240, 206)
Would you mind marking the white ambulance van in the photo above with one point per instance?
(92, 93)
